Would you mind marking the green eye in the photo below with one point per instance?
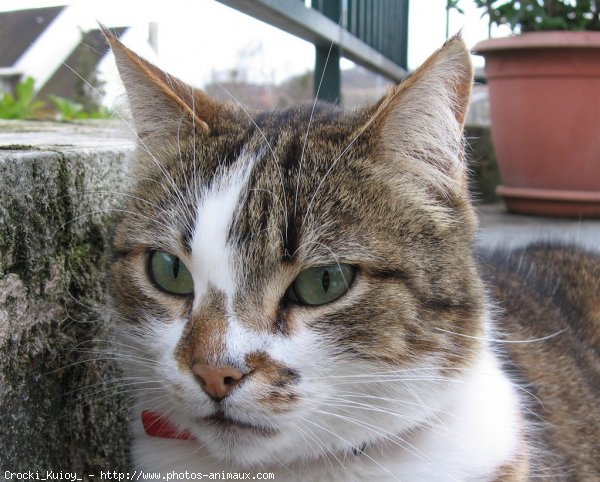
(322, 284)
(170, 274)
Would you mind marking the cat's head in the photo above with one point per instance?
(298, 282)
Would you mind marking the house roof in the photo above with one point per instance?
(83, 60)
(18, 29)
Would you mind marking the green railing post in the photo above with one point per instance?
(327, 77)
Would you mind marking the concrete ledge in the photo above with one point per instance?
(499, 229)
(60, 410)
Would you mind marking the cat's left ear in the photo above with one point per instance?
(421, 119)
(162, 105)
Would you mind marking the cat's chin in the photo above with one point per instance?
(227, 426)
(246, 448)
(241, 443)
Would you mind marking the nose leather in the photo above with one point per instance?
(217, 382)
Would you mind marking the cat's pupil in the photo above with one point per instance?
(175, 268)
(325, 281)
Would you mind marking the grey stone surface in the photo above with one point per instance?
(500, 229)
(61, 409)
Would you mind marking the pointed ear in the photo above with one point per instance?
(422, 117)
(161, 104)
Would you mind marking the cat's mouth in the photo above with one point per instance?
(221, 421)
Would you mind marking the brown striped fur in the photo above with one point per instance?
(546, 290)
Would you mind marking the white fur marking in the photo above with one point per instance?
(212, 262)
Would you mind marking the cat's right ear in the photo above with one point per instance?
(162, 105)
(419, 122)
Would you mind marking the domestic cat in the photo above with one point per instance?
(301, 296)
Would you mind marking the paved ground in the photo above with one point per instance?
(498, 228)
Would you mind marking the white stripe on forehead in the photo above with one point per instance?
(212, 256)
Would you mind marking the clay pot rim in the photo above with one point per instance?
(539, 40)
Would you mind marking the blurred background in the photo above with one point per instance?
(205, 43)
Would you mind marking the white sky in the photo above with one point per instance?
(197, 37)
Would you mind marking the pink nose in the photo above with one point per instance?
(217, 382)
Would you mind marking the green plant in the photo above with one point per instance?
(534, 15)
(69, 110)
(22, 105)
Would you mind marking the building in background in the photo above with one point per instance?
(18, 32)
(56, 47)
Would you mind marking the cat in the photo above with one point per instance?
(302, 296)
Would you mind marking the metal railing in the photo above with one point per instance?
(371, 33)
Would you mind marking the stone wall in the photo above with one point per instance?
(61, 407)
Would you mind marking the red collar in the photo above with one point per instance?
(157, 425)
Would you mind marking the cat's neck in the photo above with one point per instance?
(477, 435)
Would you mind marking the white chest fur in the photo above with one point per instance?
(475, 433)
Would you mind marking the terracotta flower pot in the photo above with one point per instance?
(544, 90)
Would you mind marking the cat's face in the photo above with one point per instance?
(293, 283)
